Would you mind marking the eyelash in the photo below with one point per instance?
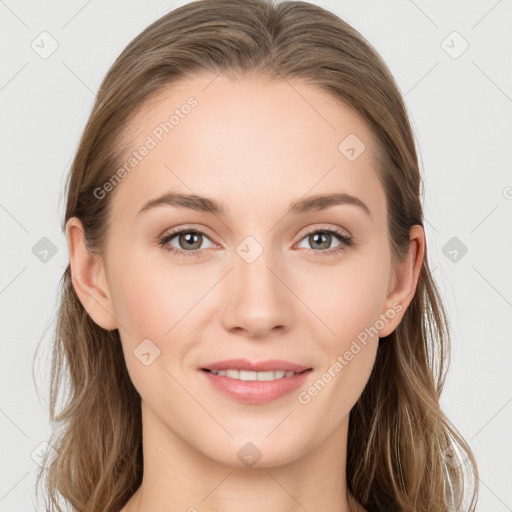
(346, 241)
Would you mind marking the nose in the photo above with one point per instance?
(258, 301)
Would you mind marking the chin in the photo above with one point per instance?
(257, 452)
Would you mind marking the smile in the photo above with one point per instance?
(252, 376)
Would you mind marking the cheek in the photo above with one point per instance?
(348, 298)
(350, 306)
(149, 296)
(152, 301)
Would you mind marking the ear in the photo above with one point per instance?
(88, 277)
(403, 282)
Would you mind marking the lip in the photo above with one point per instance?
(260, 366)
(251, 391)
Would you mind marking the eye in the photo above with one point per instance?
(190, 239)
(321, 239)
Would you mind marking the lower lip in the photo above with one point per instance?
(256, 392)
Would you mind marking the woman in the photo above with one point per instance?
(296, 361)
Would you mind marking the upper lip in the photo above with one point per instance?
(259, 366)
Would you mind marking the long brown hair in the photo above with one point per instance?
(403, 453)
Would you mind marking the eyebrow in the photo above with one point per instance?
(298, 207)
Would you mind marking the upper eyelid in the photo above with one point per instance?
(314, 229)
(185, 228)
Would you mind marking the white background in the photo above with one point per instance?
(461, 110)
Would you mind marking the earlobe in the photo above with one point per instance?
(88, 277)
(404, 281)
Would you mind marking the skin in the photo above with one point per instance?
(254, 145)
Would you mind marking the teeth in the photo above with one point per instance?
(247, 375)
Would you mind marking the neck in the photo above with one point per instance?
(177, 476)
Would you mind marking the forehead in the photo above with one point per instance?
(247, 142)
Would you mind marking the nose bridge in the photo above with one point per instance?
(257, 299)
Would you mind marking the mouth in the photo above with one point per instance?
(246, 375)
(240, 364)
(255, 383)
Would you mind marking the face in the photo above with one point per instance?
(255, 280)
